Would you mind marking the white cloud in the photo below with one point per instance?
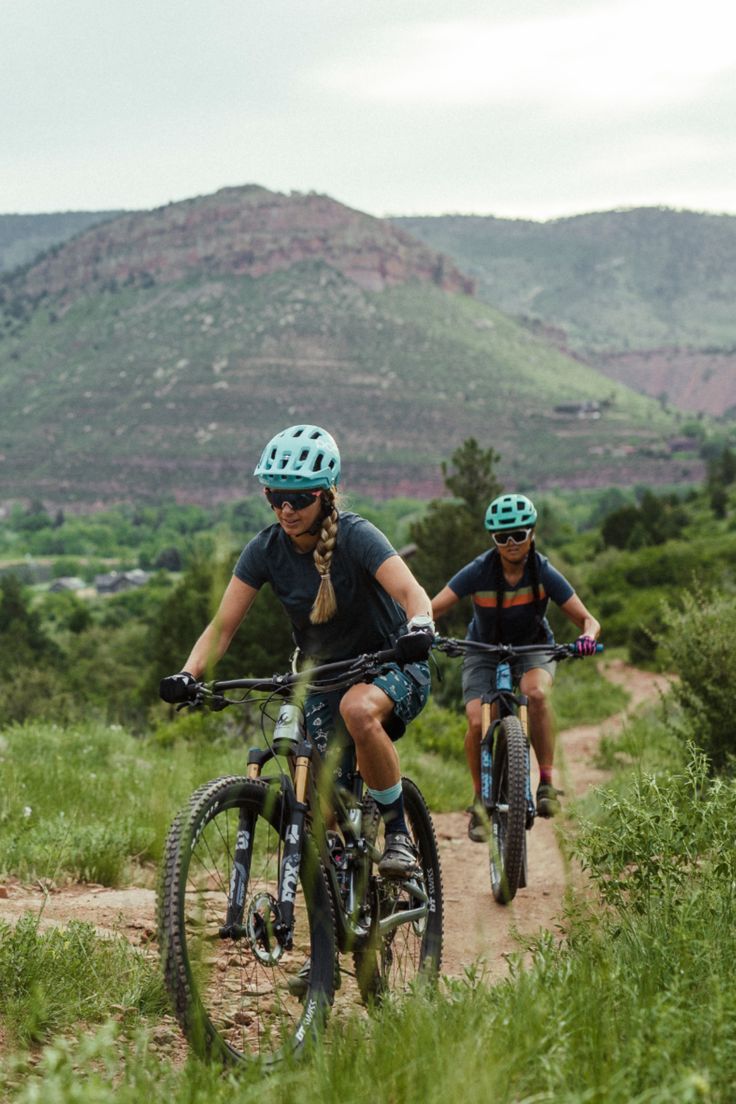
(623, 55)
(526, 107)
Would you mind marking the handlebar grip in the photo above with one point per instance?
(571, 649)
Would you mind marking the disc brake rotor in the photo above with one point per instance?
(263, 916)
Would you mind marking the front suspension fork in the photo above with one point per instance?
(290, 860)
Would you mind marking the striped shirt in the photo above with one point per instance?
(521, 623)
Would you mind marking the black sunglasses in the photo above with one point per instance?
(517, 536)
(298, 500)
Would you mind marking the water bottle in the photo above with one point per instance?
(289, 730)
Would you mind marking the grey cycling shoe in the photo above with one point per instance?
(478, 826)
(400, 858)
(548, 800)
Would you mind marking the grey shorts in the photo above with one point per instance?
(479, 671)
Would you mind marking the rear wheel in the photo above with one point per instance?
(508, 815)
(404, 944)
(230, 991)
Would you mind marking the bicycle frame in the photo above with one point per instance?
(347, 894)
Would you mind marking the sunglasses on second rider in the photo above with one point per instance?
(298, 500)
(516, 536)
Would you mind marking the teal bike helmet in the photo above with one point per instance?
(304, 457)
(510, 511)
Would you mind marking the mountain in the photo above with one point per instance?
(153, 355)
(644, 295)
(23, 237)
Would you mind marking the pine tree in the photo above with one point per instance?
(452, 532)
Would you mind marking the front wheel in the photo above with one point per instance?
(508, 812)
(225, 968)
(404, 943)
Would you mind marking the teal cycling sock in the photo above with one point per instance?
(390, 804)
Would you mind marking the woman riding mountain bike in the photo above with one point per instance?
(510, 586)
(346, 592)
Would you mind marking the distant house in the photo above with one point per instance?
(114, 582)
(67, 582)
(588, 409)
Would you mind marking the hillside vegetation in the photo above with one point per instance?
(645, 295)
(153, 356)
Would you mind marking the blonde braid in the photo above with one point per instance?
(325, 604)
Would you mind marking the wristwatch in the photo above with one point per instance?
(422, 621)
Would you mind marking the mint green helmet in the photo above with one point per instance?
(510, 511)
(304, 457)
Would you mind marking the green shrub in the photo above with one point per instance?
(662, 840)
(700, 647)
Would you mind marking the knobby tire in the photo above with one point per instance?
(233, 1005)
(508, 825)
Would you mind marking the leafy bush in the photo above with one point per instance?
(700, 646)
(662, 840)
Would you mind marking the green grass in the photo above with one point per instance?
(51, 980)
(583, 695)
(633, 1001)
(91, 802)
(636, 1005)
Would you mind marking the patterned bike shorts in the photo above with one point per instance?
(407, 687)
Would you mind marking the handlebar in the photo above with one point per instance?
(322, 678)
(346, 672)
(454, 647)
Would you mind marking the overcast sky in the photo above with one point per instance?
(516, 108)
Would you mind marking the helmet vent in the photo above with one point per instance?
(301, 456)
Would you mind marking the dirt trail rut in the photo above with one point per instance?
(476, 928)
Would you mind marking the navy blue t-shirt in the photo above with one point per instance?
(519, 623)
(367, 618)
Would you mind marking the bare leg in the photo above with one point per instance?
(364, 708)
(536, 684)
(472, 742)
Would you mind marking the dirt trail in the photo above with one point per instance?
(475, 927)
